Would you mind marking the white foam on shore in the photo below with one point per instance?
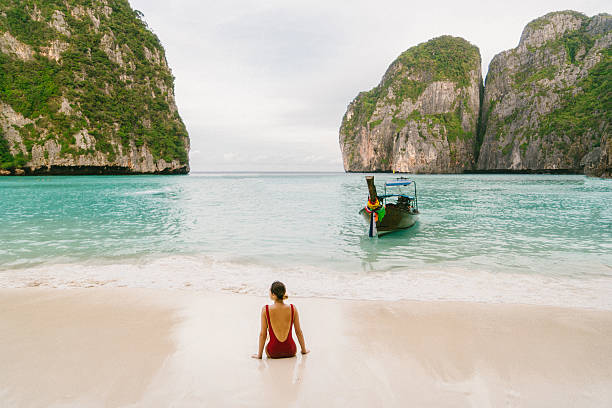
(207, 273)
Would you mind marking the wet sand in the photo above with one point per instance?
(119, 347)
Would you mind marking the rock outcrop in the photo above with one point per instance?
(423, 115)
(598, 162)
(547, 105)
(85, 89)
(548, 102)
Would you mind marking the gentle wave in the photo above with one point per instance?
(219, 275)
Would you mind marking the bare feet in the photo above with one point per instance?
(257, 356)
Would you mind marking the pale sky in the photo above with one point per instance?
(263, 85)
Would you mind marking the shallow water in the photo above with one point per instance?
(500, 238)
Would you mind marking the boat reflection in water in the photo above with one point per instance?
(391, 211)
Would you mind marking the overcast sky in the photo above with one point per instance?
(263, 85)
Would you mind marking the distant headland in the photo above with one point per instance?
(85, 88)
(545, 107)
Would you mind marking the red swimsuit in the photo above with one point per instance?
(280, 349)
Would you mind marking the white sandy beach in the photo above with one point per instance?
(159, 348)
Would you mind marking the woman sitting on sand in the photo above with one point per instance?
(279, 318)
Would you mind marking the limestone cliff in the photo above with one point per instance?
(85, 88)
(423, 115)
(548, 102)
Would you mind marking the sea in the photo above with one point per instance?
(520, 239)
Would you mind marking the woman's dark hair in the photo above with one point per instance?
(278, 289)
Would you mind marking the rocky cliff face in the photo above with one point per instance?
(548, 102)
(85, 88)
(423, 115)
(547, 105)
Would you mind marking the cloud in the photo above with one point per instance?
(231, 157)
(264, 85)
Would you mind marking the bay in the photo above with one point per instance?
(499, 238)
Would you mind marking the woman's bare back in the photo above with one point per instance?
(280, 320)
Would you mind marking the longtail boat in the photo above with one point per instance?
(391, 211)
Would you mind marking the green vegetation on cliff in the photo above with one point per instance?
(443, 58)
(554, 88)
(540, 22)
(451, 121)
(121, 100)
(573, 41)
(588, 108)
(422, 116)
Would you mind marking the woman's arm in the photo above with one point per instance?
(298, 331)
(263, 333)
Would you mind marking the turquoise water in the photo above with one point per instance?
(479, 237)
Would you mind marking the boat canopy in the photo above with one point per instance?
(398, 183)
(396, 195)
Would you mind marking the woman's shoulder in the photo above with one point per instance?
(274, 307)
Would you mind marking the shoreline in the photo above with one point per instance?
(162, 347)
(125, 171)
(109, 170)
(562, 172)
(194, 272)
